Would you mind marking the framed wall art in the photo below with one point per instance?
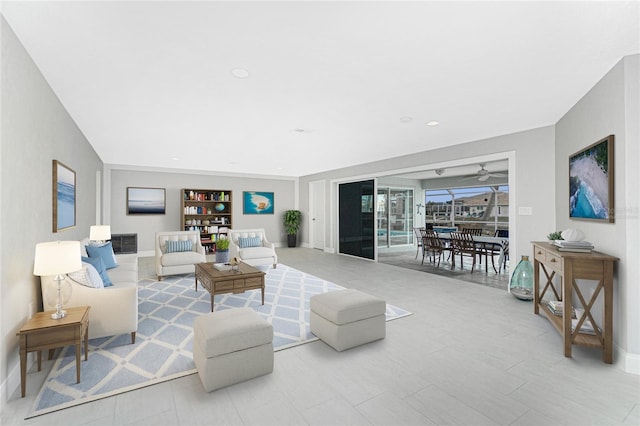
(146, 200)
(64, 197)
(591, 182)
(257, 202)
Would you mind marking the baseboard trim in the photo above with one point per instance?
(12, 382)
(628, 362)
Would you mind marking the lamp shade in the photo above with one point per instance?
(57, 258)
(100, 233)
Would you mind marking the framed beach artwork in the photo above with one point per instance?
(146, 200)
(64, 197)
(257, 202)
(591, 182)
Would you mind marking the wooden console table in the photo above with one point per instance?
(42, 332)
(569, 267)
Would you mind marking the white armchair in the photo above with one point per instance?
(252, 247)
(180, 260)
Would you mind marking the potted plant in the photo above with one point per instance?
(222, 250)
(555, 236)
(292, 220)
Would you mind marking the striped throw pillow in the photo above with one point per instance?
(245, 242)
(177, 246)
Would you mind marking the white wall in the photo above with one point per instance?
(610, 107)
(119, 178)
(35, 129)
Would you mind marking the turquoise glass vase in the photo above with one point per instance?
(521, 285)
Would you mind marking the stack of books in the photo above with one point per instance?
(557, 308)
(575, 246)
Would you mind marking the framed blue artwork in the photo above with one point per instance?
(64, 197)
(254, 202)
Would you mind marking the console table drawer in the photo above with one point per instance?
(553, 261)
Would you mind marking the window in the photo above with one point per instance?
(485, 207)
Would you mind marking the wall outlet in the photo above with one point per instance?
(525, 211)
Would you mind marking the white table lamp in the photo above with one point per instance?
(100, 233)
(58, 258)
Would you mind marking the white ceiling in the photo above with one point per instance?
(151, 84)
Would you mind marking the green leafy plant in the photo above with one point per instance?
(222, 244)
(292, 220)
(555, 236)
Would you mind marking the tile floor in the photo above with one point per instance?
(469, 355)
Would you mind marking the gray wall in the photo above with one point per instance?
(147, 225)
(36, 129)
(610, 107)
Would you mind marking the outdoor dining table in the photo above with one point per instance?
(483, 239)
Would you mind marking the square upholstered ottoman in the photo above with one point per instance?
(232, 346)
(347, 318)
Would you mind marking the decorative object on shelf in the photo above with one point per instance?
(557, 235)
(222, 250)
(100, 233)
(292, 220)
(257, 202)
(64, 197)
(57, 258)
(521, 285)
(572, 234)
(219, 207)
(591, 182)
(146, 200)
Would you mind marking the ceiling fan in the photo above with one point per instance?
(484, 174)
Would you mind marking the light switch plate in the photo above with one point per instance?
(525, 211)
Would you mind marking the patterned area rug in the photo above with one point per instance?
(163, 348)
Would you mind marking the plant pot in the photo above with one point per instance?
(291, 240)
(222, 256)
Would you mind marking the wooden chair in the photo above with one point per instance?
(463, 245)
(472, 231)
(435, 246)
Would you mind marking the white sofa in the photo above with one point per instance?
(181, 262)
(114, 309)
(259, 255)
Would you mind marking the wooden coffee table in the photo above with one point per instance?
(218, 282)
(42, 332)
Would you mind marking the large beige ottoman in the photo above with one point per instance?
(232, 346)
(347, 318)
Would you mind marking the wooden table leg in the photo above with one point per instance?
(212, 303)
(23, 365)
(86, 344)
(78, 357)
(39, 360)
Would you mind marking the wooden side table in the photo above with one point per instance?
(42, 332)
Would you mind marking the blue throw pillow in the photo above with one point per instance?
(105, 252)
(98, 263)
(177, 246)
(245, 242)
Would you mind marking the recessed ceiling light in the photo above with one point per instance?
(175, 159)
(298, 130)
(240, 73)
(406, 119)
(433, 123)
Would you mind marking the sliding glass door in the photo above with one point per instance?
(395, 216)
(356, 219)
